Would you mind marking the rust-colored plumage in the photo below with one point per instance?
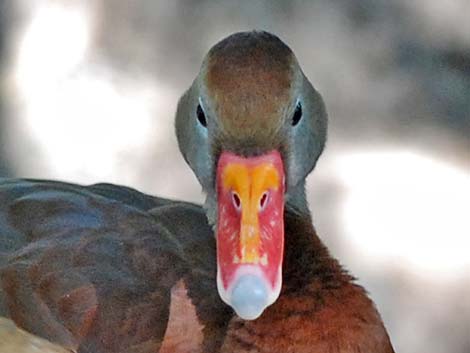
(320, 308)
(107, 269)
(92, 269)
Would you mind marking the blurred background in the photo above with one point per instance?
(88, 91)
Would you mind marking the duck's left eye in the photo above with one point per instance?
(297, 114)
(201, 116)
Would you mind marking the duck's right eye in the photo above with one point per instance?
(201, 116)
(297, 114)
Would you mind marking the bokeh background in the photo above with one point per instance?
(88, 91)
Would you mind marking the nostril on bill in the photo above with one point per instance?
(263, 200)
(236, 200)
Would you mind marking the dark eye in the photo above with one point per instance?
(297, 114)
(201, 116)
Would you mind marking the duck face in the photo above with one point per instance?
(251, 127)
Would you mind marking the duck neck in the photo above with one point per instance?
(296, 199)
(307, 261)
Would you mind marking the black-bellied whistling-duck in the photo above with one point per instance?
(107, 269)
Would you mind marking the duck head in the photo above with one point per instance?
(251, 127)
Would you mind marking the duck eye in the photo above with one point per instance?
(297, 114)
(201, 116)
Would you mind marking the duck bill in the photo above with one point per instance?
(250, 231)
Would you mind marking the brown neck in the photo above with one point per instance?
(306, 260)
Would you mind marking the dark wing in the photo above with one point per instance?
(89, 268)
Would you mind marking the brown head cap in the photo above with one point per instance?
(248, 77)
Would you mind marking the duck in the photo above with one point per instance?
(105, 268)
